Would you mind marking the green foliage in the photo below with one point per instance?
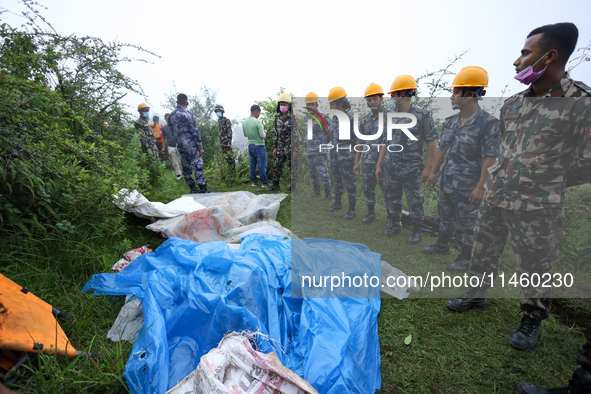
(58, 161)
(575, 249)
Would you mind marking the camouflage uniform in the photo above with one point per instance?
(147, 137)
(226, 139)
(402, 170)
(546, 146)
(188, 142)
(317, 163)
(286, 141)
(368, 125)
(342, 161)
(464, 147)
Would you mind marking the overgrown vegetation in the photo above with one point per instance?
(60, 164)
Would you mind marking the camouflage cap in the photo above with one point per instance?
(219, 108)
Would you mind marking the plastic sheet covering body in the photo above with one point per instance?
(193, 294)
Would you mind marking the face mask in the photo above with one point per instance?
(146, 114)
(528, 75)
(283, 109)
(392, 104)
(219, 114)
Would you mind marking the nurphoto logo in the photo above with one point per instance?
(392, 122)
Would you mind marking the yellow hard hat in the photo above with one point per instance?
(471, 76)
(142, 105)
(373, 89)
(336, 93)
(285, 98)
(403, 82)
(311, 98)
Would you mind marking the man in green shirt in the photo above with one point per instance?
(253, 130)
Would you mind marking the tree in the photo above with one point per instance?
(57, 92)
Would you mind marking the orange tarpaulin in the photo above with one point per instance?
(27, 321)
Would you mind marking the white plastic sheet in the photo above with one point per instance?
(246, 207)
(135, 202)
(129, 321)
(235, 367)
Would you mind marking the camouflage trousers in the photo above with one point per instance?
(369, 181)
(455, 210)
(581, 379)
(535, 237)
(410, 184)
(228, 154)
(285, 155)
(192, 163)
(318, 167)
(150, 148)
(343, 177)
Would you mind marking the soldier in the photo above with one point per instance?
(188, 142)
(405, 170)
(342, 155)
(225, 136)
(369, 125)
(546, 147)
(580, 383)
(469, 145)
(146, 136)
(285, 142)
(317, 163)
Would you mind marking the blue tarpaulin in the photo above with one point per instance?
(194, 293)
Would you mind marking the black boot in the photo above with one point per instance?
(203, 189)
(415, 235)
(316, 192)
(440, 247)
(462, 262)
(473, 298)
(393, 225)
(526, 334)
(337, 204)
(327, 196)
(528, 388)
(275, 187)
(351, 213)
(194, 190)
(371, 215)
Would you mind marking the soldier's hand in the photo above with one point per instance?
(431, 179)
(379, 172)
(356, 169)
(275, 153)
(229, 145)
(477, 196)
(425, 175)
(201, 152)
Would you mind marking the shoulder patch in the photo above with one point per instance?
(583, 86)
(589, 132)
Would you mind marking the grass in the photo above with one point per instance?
(449, 352)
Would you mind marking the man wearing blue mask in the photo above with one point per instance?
(545, 148)
(225, 136)
(146, 135)
(405, 171)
